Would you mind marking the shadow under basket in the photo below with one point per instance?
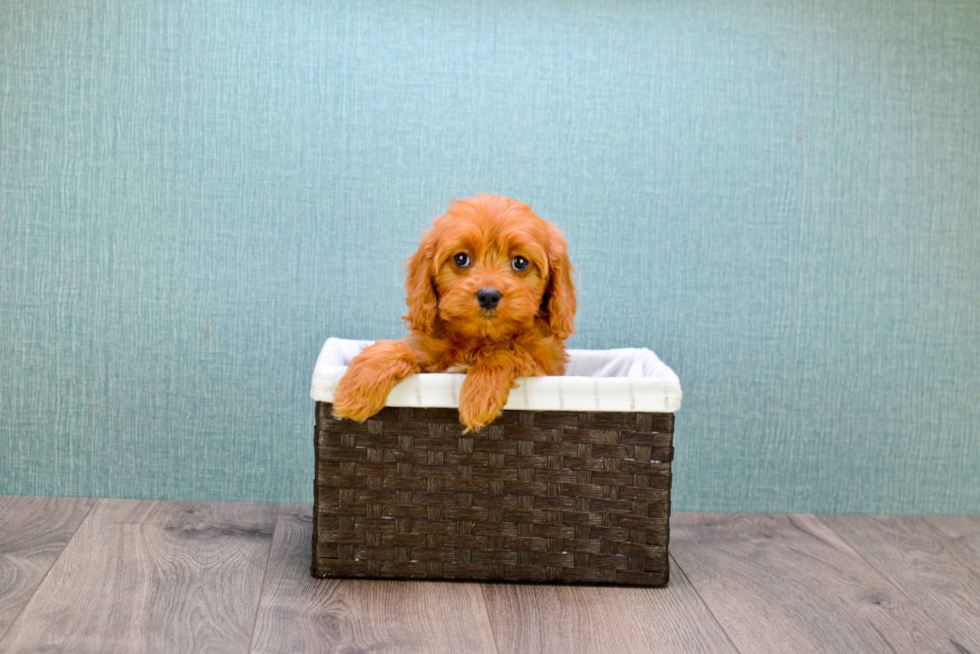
(538, 496)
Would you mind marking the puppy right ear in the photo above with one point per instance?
(423, 305)
(560, 295)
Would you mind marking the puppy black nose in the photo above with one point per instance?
(488, 297)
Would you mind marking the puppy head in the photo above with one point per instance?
(487, 269)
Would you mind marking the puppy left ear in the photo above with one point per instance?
(559, 298)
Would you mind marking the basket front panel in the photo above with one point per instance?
(560, 497)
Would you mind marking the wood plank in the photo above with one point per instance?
(940, 573)
(147, 576)
(299, 613)
(604, 619)
(33, 532)
(963, 528)
(788, 583)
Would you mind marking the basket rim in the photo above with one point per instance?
(650, 385)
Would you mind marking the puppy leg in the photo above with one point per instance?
(487, 386)
(372, 374)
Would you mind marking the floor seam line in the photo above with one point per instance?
(888, 579)
(486, 611)
(48, 571)
(265, 574)
(710, 612)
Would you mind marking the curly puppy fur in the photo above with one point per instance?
(486, 244)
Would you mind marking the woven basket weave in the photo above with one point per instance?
(552, 496)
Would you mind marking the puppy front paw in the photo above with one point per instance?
(481, 403)
(358, 409)
(357, 399)
(364, 388)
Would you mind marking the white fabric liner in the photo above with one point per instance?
(629, 379)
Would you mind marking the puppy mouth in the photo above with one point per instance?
(488, 314)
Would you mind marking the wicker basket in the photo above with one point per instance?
(538, 496)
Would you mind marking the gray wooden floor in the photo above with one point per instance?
(80, 575)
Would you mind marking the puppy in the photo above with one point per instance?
(490, 293)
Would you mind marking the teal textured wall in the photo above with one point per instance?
(781, 198)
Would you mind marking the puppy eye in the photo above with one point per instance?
(461, 260)
(519, 264)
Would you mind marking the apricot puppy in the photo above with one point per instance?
(490, 293)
